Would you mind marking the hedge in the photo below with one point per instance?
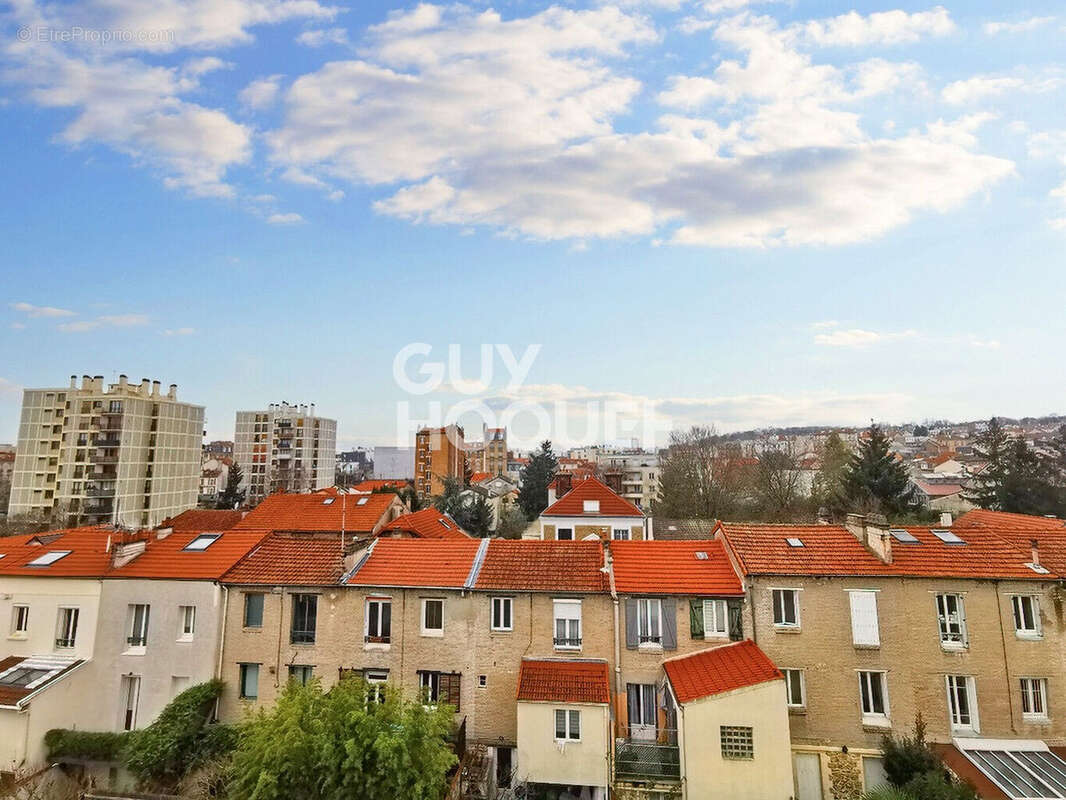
(88, 745)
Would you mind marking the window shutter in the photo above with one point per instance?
(695, 618)
(736, 619)
(449, 688)
(669, 622)
(864, 629)
(632, 635)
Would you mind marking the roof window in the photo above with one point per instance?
(903, 535)
(444, 522)
(1039, 570)
(947, 537)
(590, 506)
(794, 542)
(49, 558)
(203, 541)
(328, 501)
(701, 555)
(362, 501)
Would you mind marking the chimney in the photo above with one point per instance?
(878, 539)
(163, 533)
(172, 393)
(945, 519)
(823, 516)
(1035, 545)
(145, 386)
(98, 383)
(123, 381)
(73, 381)
(86, 383)
(123, 554)
(856, 525)
(155, 388)
(564, 481)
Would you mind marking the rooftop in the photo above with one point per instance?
(563, 681)
(429, 523)
(718, 670)
(437, 563)
(530, 565)
(200, 519)
(691, 567)
(572, 504)
(293, 560)
(326, 511)
(23, 676)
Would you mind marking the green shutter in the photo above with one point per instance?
(695, 618)
(736, 619)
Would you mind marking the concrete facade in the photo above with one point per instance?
(544, 759)
(284, 448)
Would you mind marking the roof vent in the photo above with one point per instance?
(903, 535)
(701, 555)
(794, 542)
(946, 536)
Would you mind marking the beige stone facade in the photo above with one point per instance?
(604, 529)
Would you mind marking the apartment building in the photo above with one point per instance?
(631, 472)
(96, 453)
(439, 453)
(590, 508)
(284, 448)
(872, 625)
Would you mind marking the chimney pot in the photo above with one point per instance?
(1035, 545)
(945, 519)
(856, 525)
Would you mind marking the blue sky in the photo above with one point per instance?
(738, 213)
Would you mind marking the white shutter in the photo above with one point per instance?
(864, 619)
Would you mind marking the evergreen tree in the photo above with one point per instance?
(828, 482)
(1018, 479)
(536, 475)
(476, 515)
(993, 446)
(233, 495)
(874, 480)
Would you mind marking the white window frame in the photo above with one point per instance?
(1034, 689)
(559, 538)
(969, 686)
(649, 610)
(871, 716)
(784, 624)
(566, 605)
(426, 631)
(1017, 604)
(621, 534)
(20, 620)
(715, 619)
(791, 675)
(859, 603)
(381, 602)
(590, 506)
(943, 617)
(187, 627)
(67, 626)
(571, 725)
(135, 631)
(501, 603)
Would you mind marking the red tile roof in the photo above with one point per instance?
(354, 513)
(571, 504)
(199, 519)
(168, 558)
(987, 518)
(429, 523)
(478, 477)
(291, 560)
(937, 489)
(378, 484)
(543, 566)
(719, 669)
(14, 695)
(573, 681)
(672, 567)
(437, 563)
(88, 553)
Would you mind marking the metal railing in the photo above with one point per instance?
(567, 641)
(648, 754)
(137, 641)
(302, 637)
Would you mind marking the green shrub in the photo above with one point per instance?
(936, 785)
(88, 745)
(909, 756)
(888, 793)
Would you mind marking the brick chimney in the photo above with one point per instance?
(1035, 545)
(878, 539)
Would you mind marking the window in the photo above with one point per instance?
(439, 687)
(48, 558)
(590, 506)
(432, 617)
(564, 534)
(952, 619)
(20, 620)
(131, 693)
(304, 618)
(376, 680)
(378, 621)
(1026, 616)
(22, 677)
(947, 537)
(567, 725)
(249, 684)
(203, 541)
(962, 703)
(738, 742)
(1027, 769)
(1034, 699)
(873, 697)
(649, 621)
(715, 618)
(301, 673)
(621, 534)
(138, 616)
(502, 611)
(864, 630)
(794, 688)
(66, 627)
(188, 623)
(567, 623)
(786, 608)
(642, 710)
(482, 681)
(253, 610)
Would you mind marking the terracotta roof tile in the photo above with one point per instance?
(58, 666)
(429, 523)
(673, 567)
(379, 483)
(200, 519)
(438, 563)
(355, 513)
(719, 669)
(571, 504)
(987, 518)
(538, 566)
(168, 558)
(291, 560)
(575, 681)
(478, 477)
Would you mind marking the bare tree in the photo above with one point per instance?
(778, 482)
(701, 476)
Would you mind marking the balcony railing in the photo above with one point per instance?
(648, 755)
(567, 641)
(105, 459)
(99, 491)
(137, 641)
(302, 637)
(111, 441)
(61, 642)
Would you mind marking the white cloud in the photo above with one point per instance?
(318, 38)
(261, 93)
(179, 331)
(980, 87)
(291, 218)
(31, 310)
(105, 321)
(857, 337)
(825, 324)
(881, 28)
(1020, 26)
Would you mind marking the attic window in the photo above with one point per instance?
(444, 522)
(947, 537)
(328, 500)
(794, 542)
(902, 535)
(701, 555)
(362, 501)
(49, 558)
(590, 506)
(202, 542)
(1039, 570)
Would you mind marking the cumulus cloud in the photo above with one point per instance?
(31, 310)
(324, 36)
(105, 321)
(179, 331)
(980, 87)
(881, 28)
(1019, 26)
(261, 93)
(290, 218)
(857, 337)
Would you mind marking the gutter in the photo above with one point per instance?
(222, 631)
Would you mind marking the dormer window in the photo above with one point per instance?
(590, 506)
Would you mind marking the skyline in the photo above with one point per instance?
(744, 214)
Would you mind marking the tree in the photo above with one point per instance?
(408, 494)
(469, 508)
(1017, 478)
(343, 745)
(992, 446)
(777, 480)
(700, 476)
(920, 430)
(916, 772)
(536, 475)
(874, 480)
(233, 495)
(512, 522)
(827, 489)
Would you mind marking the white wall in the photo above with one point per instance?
(45, 595)
(22, 733)
(542, 760)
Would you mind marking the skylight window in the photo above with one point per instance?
(947, 537)
(48, 558)
(328, 500)
(902, 535)
(701, 555)
(362, 501)
(203, 541)
(794, 542)
(444, 522)
(22, 676)
(1037, 568)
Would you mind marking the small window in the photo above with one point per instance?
(794, 688)
(903, 535)
(328, 501)
(203, 541)
(564, 534)
(794, 542)
(786, 608)
(304, 618)
(1026, 616)
(621, 534)
(378, 624)
(947, 537)
(188, 623)
(20, 620)
(590, 506)
(715, 619)
(951, 617)
(253, 610)
(567, 725)
(138, 625)
(962, 703)
(567, 615)
(361, 501)
(873, 697)
(301, 673)
(738, 742)
(432, 617)
(439, 687)
(649, 621)
(49, 558)
(482, 681)
(864, 627)
(67, 628)
(502, 614)
(1034, 699)
(249, 683)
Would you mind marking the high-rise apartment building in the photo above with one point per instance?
(284, 448)
(439, 454)
(121, 453)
